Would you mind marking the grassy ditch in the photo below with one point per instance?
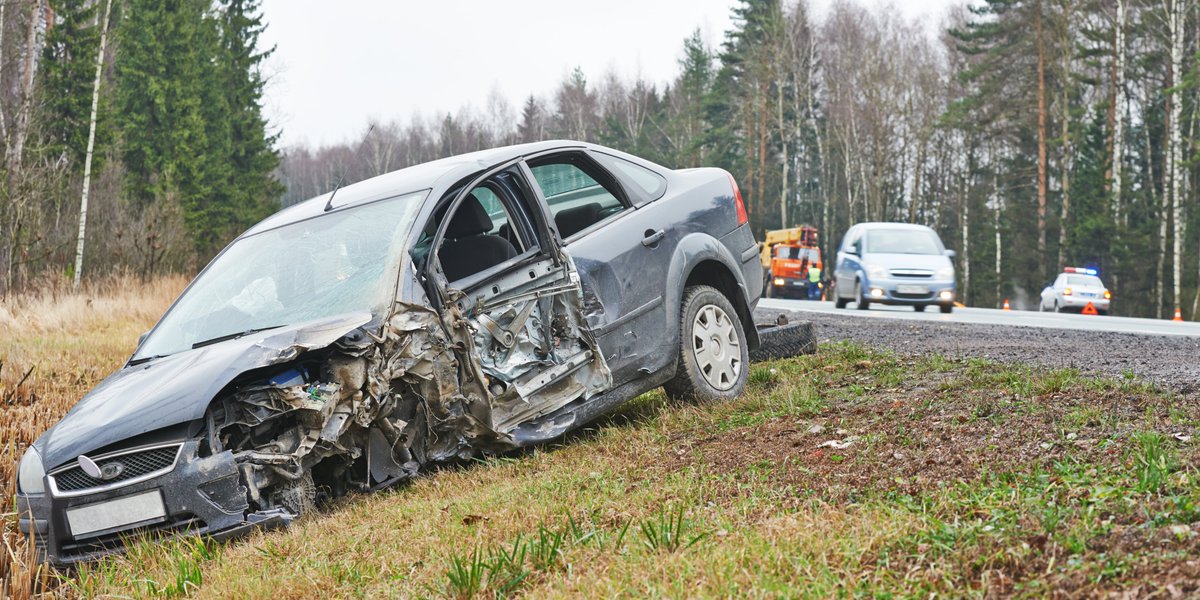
(845, 473)
(849, 472)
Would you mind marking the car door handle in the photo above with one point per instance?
(653, 237)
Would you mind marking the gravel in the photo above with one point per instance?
(1172, 362)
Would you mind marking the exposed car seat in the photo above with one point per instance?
(574, 220)
(468, 249)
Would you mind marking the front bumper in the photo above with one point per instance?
(910, 292)
(201, 496)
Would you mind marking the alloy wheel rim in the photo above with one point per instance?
(716, 346)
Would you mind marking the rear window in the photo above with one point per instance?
(648, 181)
(796, 253)
(1084, 280)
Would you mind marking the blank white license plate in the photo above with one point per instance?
(139, 508)
(912, 289)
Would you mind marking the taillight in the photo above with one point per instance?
(737, 200)
(1107, 295)
(1067, 292)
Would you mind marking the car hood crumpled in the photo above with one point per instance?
(178, 388)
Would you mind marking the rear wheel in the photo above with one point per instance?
(1057, 308)
(714, 357)
(863, 303)
(919, 308)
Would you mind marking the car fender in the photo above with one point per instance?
(693, 249)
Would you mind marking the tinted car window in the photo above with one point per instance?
(576, 199)
(648, 181)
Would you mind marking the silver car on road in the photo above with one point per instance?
(894, 263)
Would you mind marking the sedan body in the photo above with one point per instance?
(474, 304)
(894, 263)
(1074, 289)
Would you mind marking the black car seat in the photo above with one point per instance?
(574, 220)
(467, 248)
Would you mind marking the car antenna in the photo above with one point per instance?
(342, 175)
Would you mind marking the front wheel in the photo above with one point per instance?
(919, 308)
(947, 308)
(714, 357)
(863, 303)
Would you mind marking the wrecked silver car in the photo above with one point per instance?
(475, 304)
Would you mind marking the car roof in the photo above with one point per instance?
(444, 171)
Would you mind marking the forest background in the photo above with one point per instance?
(1031, 134)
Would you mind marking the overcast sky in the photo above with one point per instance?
(336, 65)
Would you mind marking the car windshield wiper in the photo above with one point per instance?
(233, 336)
(144, 359)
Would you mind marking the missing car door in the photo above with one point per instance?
(523, 308)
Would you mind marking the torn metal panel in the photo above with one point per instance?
(528, 327)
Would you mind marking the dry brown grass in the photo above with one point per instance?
(55, 345)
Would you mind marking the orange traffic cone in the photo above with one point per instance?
(1090, 309)
(1178, 315)
(1006, 306)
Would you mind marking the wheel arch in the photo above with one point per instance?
(703, 260)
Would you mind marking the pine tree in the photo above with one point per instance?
(189, 96)
(254, 187)
(66, 73)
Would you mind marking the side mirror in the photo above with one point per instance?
(950, 253)
(142, 338)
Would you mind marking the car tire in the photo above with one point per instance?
(919, 308)
(946, 308)
(863, 303)
(838, 301)
(702, 373)
(1057, 308)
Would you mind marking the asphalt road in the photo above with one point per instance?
(991, 316)
(1164, 352)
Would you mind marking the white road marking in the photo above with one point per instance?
(991, 316)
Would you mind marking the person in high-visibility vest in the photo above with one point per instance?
(814, 282)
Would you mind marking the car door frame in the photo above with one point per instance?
(543, 388)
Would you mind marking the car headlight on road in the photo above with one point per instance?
(31, 475)
(876, 272)
(1107, 295)
(779, 281)
(945, 273)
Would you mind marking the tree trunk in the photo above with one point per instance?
(1041, 166)
(91, 146)
(1176, 21)
(1118, 112)
(783, 183)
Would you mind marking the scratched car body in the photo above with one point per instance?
(474, 304)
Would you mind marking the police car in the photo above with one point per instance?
(1074, 289)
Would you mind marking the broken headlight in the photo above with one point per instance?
(31, 476)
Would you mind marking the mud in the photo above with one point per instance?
(1171, 362)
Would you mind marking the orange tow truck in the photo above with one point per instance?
(787, 254)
